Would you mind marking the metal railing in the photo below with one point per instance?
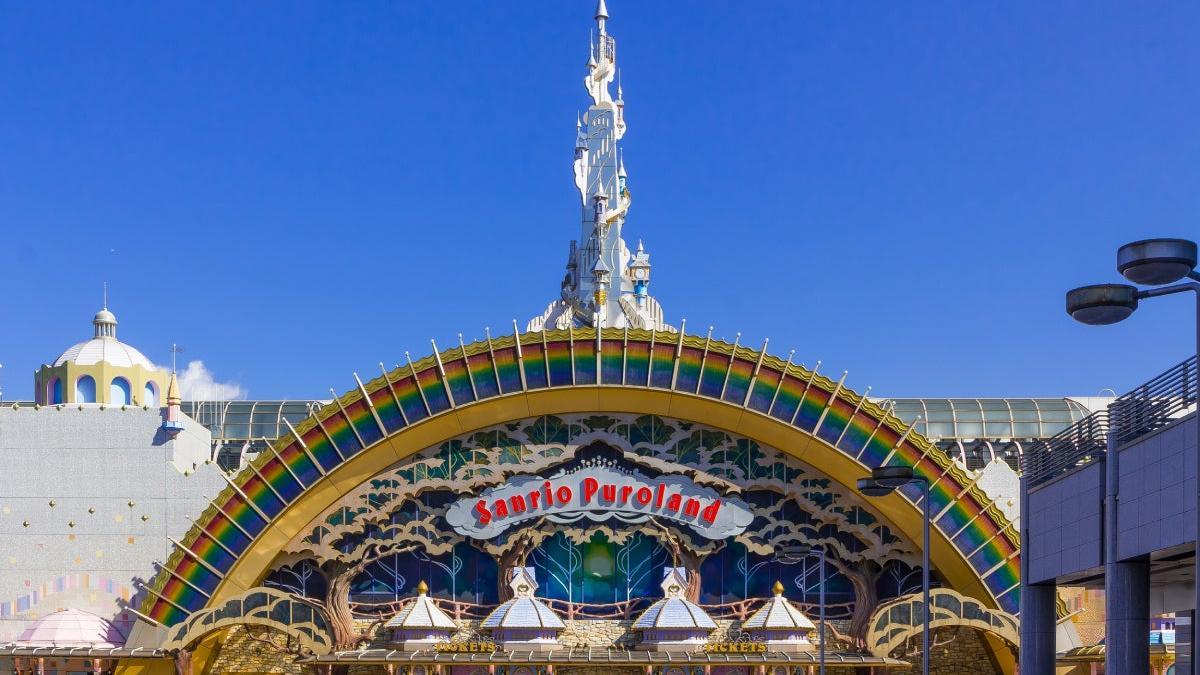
(1156, 403)
(1147, 408)
(1078, 445)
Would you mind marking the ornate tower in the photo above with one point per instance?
(605, 284)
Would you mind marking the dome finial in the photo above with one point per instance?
(777, 589)
(422, 587)
(105, 321)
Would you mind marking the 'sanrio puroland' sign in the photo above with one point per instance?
(599, 493)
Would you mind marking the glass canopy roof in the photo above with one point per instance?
(973, 430)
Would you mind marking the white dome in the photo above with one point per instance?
(108, 350)
(71, 628)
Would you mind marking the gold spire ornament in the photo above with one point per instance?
(777, 588)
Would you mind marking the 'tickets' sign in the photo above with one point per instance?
(599, 493)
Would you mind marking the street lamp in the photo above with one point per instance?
(883, 481)
(794, 554)
(1149, 262)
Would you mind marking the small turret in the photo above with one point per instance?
(601, 275)
(580, 139)
(601, 15)
(639, 271)
(173, 417)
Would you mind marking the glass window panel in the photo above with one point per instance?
(1026, 430)
(940, 430)
(970, 430)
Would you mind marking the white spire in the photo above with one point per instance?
(605, 284)
(601, 15)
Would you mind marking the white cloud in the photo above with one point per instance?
(197, 384)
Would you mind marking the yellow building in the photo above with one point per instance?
(102, 370)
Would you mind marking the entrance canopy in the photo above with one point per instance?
(744, 391)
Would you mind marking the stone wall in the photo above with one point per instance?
(965, 654)
(239, 653)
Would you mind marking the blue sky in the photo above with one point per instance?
(296, 191)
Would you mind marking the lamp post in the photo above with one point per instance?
(1158, 263)
(883, 481)
(793, 554)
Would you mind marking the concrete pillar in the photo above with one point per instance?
(1038, 627)
(1127, 617)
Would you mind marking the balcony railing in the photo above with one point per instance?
(1147, 408)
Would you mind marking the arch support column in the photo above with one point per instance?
(1127, 617)
(1038, 628)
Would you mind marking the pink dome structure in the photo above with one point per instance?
(71, 628)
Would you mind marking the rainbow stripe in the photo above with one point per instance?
(236, 508)
(689, 369)
(300, 464)
(485, 377)
(637, 363)
(558, 356)
(435, 392)
(837, 416)
(259, 493)
(508, 369)
(387, 408)
(611, 357)
(460, 382)
(320, 447)
(534, 358)
(585, 362)
(790, 394)
(363, 421)
(410, 398)
(740, 373)
(712, 379)
(662, 365)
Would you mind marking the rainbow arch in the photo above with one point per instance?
(743, 380)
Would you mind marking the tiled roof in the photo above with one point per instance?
(674, 613)
(523, 613)
(777, 613)
(422, 613)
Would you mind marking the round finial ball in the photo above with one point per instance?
(777, 588)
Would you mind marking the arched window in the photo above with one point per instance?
(85, 390)
(150, 395)
(118, 391)
(54, 391)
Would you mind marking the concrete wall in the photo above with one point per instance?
(1066, 524)
(119, 487)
